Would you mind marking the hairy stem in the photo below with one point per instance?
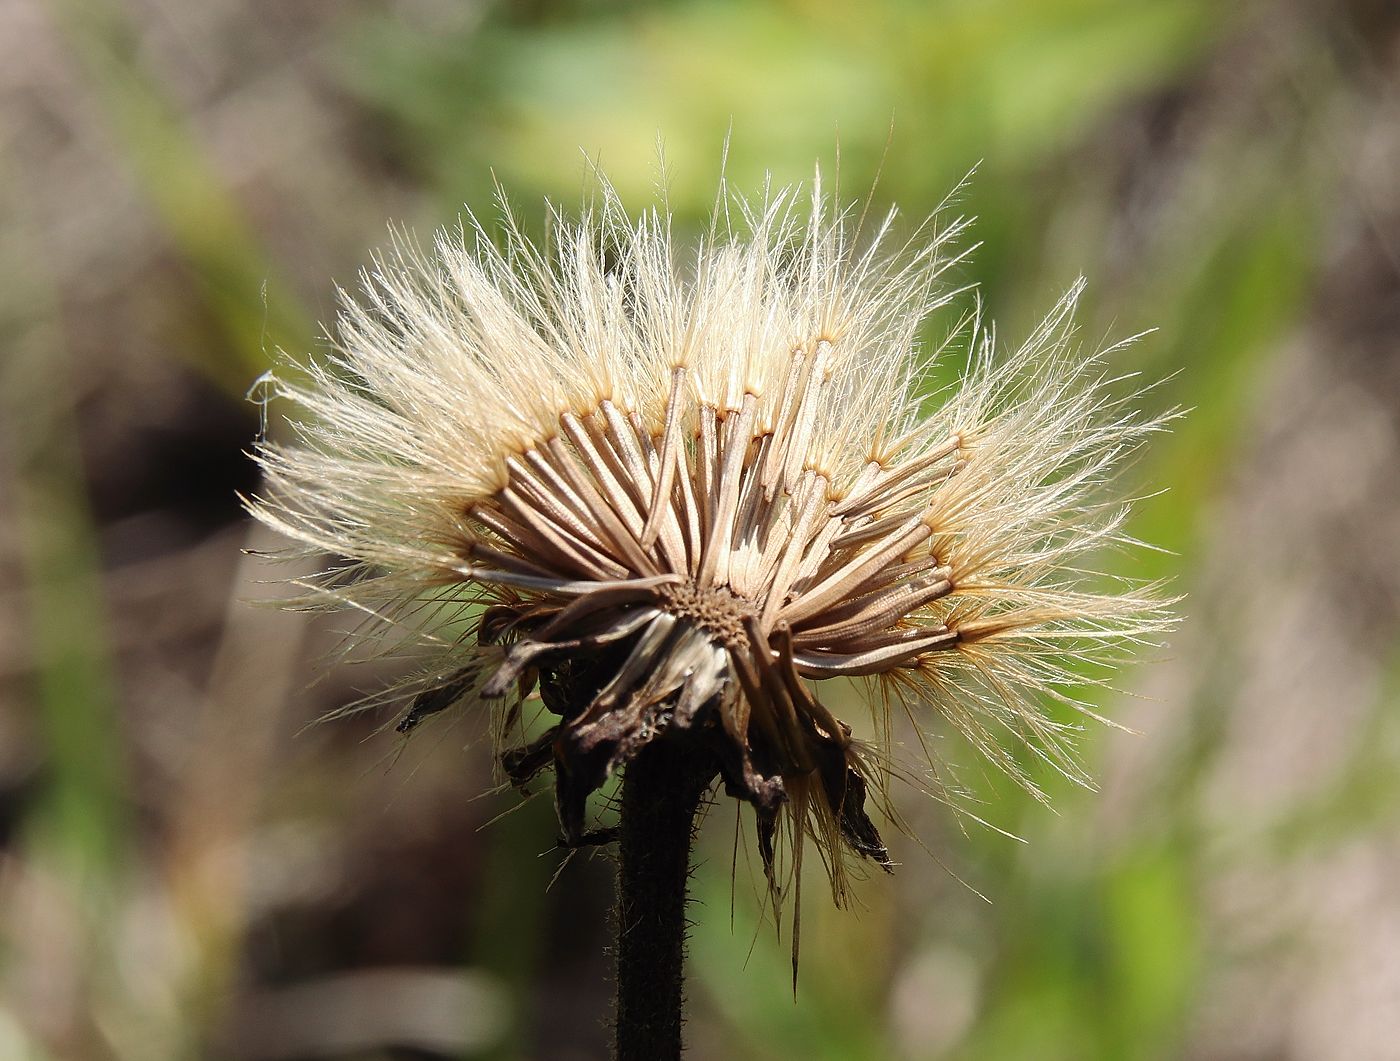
(661, 790)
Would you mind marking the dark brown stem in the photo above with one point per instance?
(661, 791)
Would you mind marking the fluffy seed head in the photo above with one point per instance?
(673, 493)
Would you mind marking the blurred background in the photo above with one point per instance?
(188, 870)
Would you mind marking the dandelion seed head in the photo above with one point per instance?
(675, 492)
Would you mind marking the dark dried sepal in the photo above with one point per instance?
(433, 701)
(845, 791)
(856, 827)
(523, 764)
(767, 825)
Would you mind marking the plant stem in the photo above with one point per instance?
(661, 790)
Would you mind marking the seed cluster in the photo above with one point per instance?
(729, 569)
(672, 502)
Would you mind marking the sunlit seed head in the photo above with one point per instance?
(674, 492)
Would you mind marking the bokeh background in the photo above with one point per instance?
(188, 870)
